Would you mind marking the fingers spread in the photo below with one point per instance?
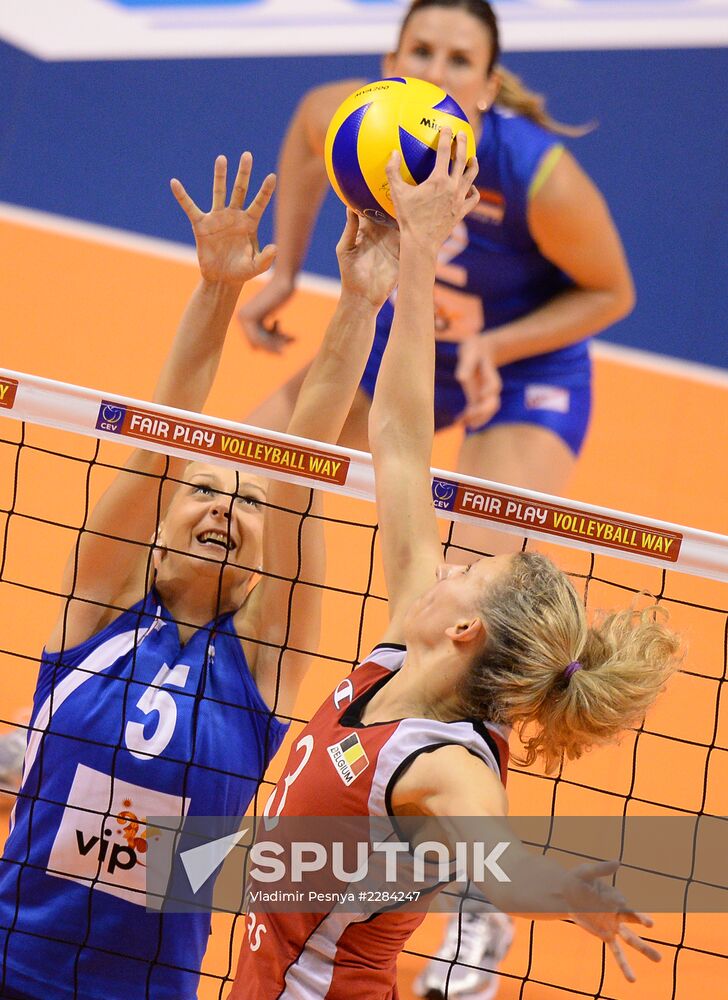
(636, 942)
(242, 179)
(622, 962)
(188, 206)
(461, 152)
(262, 198)
(392, 168)
(219, 183)
(265, 258)
(628, 915)
(599, 869)
(468, 182)
(351, 229)
(471, 201)
(444, 147)
(632, 917)
(471, 171)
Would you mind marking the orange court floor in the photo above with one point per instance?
(83, 306)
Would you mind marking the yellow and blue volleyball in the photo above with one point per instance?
(400, 113)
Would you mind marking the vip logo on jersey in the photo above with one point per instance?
(443, 494)
(122, 843)
(110, 418)
(547, 397)
(102, 839)
(349, 758)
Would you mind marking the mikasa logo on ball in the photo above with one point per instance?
(431, 123)
(401, 113)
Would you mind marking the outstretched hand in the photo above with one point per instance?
(428, 212)
(227, 236)
(611, 924)
(368, 257)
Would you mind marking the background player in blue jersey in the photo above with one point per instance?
(160, 687)
(535, 269)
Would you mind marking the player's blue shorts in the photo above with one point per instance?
(551, 390)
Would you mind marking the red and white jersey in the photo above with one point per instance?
(341, 767)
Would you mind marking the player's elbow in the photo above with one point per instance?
(625, 297)
(381, 434)
(379, 424)
(616, 300)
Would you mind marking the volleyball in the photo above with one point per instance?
(401, 113)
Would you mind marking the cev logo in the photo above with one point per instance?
(443, 494)
(110, 418)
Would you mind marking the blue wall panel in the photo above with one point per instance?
(99, 141)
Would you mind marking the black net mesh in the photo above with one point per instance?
(675, 763)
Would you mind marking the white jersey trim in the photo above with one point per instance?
(389, 657)
(102, 657)
(310, 976)
(415, 736)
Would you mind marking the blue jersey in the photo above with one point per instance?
(127, 725)
(491, 272)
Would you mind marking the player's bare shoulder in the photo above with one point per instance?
(442, 783)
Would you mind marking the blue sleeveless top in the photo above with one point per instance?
(127, 725)
(490, 270)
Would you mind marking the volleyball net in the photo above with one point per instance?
(63, 444)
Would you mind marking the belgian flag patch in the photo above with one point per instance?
(349, 758)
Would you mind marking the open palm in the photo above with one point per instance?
(227, 235)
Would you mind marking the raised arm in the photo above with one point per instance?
(401, 419)
(302, 184)
(280, 615)
(112, 549)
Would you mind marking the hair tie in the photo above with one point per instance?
(571, 669)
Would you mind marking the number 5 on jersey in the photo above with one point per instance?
(156, 700)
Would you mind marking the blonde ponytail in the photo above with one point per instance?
(564, 685)
(625, 663)
(516, 97)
